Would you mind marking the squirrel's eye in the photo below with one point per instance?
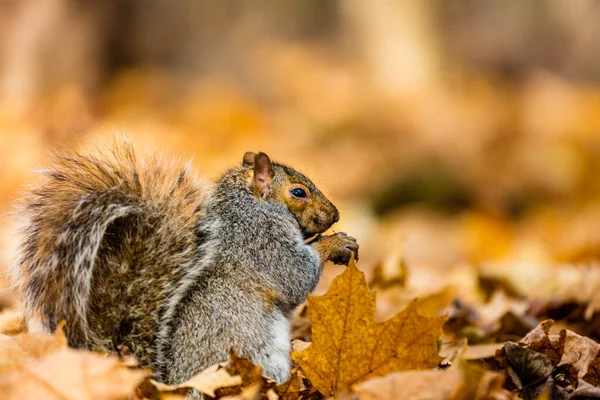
(299, 193)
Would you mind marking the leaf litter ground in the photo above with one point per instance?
(350, 354)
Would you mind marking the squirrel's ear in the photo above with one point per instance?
(263, 173)
(248, 159)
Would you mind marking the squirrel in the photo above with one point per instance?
(138, 252)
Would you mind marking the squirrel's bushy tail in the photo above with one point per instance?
(66, 219)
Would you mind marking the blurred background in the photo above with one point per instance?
(460, 139)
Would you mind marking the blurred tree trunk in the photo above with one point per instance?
(397, 42)
(50, 43)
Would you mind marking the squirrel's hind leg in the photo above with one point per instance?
(274, 356)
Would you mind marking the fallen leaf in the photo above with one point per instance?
(11, 322)
(551, 362)
(463, 383)
(498, 306)
(429, 304)
(567, 349)
(390, 273)
(480, 384)
(481, 351)
(301, 327)
(578, 351)
(548, 281)
(250, 376)
(538, 339)
(172, 396)
(349, 346)
(272, 395)
(290, 390)
(70, 375)
(207, 381)
(16, 351)
(529, 365)
(585, 391)
(299, 345)
(250, 393)
(439, 385)
(249, 372)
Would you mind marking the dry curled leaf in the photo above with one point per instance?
(207, 381)
(529, 365)
(250, 381)
(291, 389)
(252, 392)
(249, 372)
(580, 352)
(349, 346)
(541, 360)
(299, 345)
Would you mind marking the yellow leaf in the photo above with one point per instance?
(349, 346)
(431, 304)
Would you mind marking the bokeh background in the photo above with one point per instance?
(460, 139)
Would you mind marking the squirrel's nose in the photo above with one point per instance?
(336, 216)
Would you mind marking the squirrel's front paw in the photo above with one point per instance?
(340, 248)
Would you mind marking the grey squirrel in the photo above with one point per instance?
(138, 252)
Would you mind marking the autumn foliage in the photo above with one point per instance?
(459, 140)
(351, 355)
